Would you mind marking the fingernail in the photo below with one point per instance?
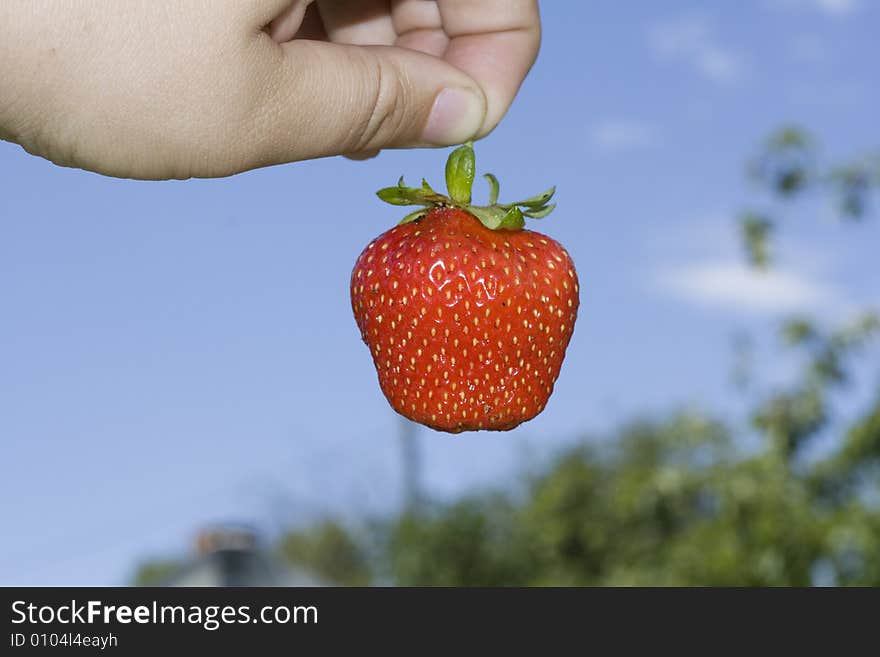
(456, 117)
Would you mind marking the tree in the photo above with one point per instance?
(663, 503)
(327, 549)
(787, 168)
(155, 571)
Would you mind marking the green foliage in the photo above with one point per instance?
(797, 331)
(473, 540)
(756, 231)
(667, 503)
(155, 572)
(853, 183)
(327, 549)
(788, 167)
(787, 162)
(854, 469)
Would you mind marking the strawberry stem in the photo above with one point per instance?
(460, 168)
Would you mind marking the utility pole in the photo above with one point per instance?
(412, 465)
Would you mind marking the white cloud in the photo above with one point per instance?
(832, 7)
(622, 134)
(693, 40)
(837, 6)
(736, 286)
(718, 64)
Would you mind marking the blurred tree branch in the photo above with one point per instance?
(788, 167)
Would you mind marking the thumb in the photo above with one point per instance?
(329, 99)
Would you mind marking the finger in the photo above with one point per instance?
(361, 23)
(419, 26)
(312, 27)
(358, 157)
(298, 20)
(496, 43)
(260, 13)
(330, 98)
(286, 24)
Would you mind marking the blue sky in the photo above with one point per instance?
(157, 372)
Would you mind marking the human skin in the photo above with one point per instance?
(158, 89)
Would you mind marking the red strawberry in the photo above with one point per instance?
(466, 314)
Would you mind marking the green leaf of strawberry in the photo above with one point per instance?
(467, 314)
(460, 173)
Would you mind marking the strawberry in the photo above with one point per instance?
(467, 315)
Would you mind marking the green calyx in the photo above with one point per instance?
(460, 173)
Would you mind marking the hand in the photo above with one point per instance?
(181, 88)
